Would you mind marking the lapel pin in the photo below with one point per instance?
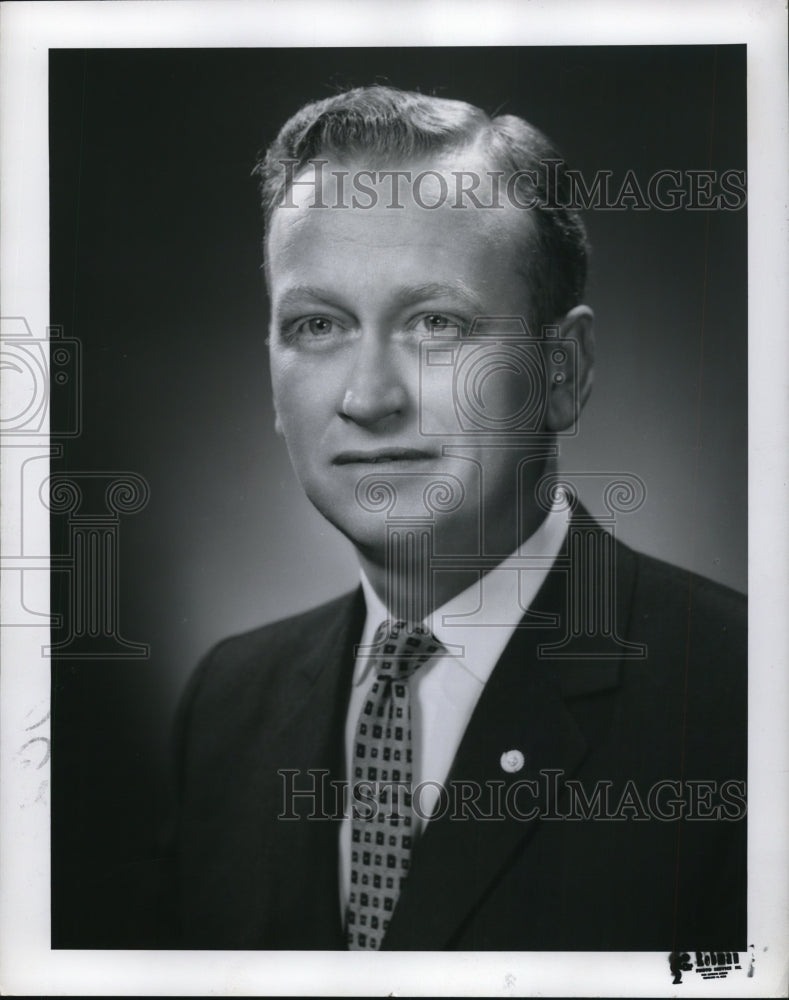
(512, 761)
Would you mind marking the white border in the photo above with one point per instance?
(27, 30)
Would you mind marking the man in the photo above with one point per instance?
(517, 733)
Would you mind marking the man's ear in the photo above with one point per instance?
(570, 363)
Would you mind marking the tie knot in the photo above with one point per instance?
(401, 647)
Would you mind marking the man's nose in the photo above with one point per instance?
(375, 388)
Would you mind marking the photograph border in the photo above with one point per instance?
(27, 32)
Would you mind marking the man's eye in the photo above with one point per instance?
(317, 326)
(437, 322)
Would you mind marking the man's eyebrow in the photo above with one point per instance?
(407, 295)
(296, 294)
(455, 290)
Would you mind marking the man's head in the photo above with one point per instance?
(380, 126)
(378, 244)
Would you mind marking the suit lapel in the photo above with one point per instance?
(526, 706)
(309, 743)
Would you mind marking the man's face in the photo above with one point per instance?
(354, 293)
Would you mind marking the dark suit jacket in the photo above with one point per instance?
(276, 698)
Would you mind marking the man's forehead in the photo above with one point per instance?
(437, 196)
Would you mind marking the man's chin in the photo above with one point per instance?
(370, 516)
(376, 533)
(365, 531)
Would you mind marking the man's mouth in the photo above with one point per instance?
(381, 456)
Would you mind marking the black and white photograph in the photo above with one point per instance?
(393, 511)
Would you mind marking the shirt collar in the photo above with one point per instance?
(477, 624)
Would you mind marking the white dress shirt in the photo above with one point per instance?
(474, 626)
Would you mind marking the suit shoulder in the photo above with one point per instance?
(695, 632)
(689, 688)
(286, 635)
(666, 586)
(259, 660)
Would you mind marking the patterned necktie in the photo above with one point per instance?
(381, 832)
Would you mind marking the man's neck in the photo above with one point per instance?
(412, 588)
